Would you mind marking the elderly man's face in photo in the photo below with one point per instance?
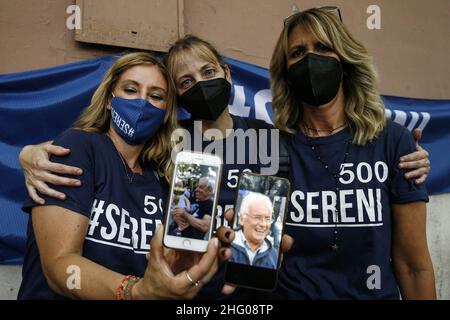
(202, 191)
(256, 223)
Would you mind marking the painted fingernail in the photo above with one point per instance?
(79, 171)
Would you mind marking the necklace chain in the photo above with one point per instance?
(335, 176)
(324, 130)
(125, 166)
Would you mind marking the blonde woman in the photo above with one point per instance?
(94, 243)
(360, 229)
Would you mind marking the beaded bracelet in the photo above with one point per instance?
(123, 291)
(130, 284)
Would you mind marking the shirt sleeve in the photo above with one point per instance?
(404, 190)
(205, 209)
(78, 199)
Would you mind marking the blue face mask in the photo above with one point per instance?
(135, 120)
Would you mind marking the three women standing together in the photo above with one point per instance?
(357, 222)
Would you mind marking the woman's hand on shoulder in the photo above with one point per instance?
(417, 162)
(39, 170)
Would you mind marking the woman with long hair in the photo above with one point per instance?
(360, 230)
(95, 243)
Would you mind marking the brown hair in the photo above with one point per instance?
(96, 117)
(363, 106)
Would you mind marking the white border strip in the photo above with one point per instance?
(333, 225)
(115, 245)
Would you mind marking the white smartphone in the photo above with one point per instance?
(192, 201)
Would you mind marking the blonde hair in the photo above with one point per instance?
(364, 109)
(96, 117)
(191, 45)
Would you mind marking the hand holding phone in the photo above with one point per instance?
(258, 223)
(188, 272)
(192, 201)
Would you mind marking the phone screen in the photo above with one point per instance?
(258, 223)
(192, 202)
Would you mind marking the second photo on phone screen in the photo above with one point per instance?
(260, 208)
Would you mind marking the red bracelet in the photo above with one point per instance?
(120, 288)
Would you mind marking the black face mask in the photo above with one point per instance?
(316, 79)
(206, 100)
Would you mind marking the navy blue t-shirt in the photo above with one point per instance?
(238, 155)
(369, 183)
(122, 216)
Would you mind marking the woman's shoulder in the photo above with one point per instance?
(77, 139)
(395, 127)
(395, 131)
(397, 141)
(77, 134)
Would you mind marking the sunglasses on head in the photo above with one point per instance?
(332, 9)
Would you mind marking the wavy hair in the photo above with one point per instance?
(364, 109)
(96, 117)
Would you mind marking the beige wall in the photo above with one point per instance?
(411, 51)
(34, 35)
(104, 21)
